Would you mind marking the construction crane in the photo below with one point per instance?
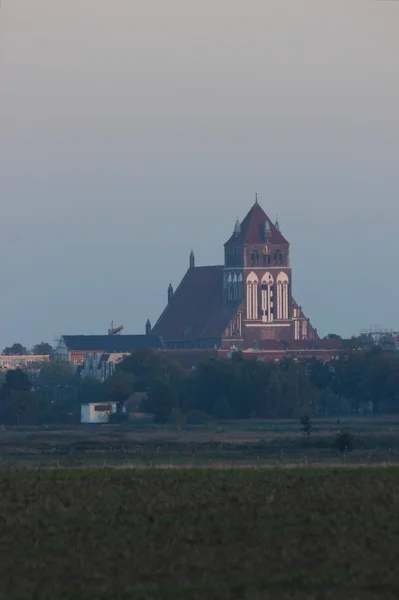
(115, 330)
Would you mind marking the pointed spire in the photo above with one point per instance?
(192, 259)
(237, 228)
(256, 198)
(148, 327)
(277, 224)
(267, 232)
(170, 293)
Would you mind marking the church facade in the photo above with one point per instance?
(245, 303)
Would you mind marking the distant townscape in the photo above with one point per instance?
(232, 342)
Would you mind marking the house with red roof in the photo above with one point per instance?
(245, 303)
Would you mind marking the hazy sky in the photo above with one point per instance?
(134, 130)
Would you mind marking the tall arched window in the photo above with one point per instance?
(240, 287)
(229, 288)
(267, 298)
(252, 296)
(282, 296)
(235, 287)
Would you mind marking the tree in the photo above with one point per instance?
(57, 389)
(119, 387)
(16, 381)
(307, 425)
(214, 380)
(345, 441)
(42, 348)
(148, 366)
(55, 373)
(329, 404)
(91, 390)
(221, 409)
(333, 336)
(320, 373)
(18, 406)
(15, 349)
(160, 401)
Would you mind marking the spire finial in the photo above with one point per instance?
(256, 198)
(237, 227)
(277, 224)
(170, 293)
(148, 327)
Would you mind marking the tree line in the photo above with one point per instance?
(218, 388)
(18, 349)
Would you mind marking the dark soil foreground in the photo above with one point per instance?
(181, 534)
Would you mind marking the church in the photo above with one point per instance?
(245, 303)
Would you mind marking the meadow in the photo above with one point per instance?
(214, 444)
(251, 533)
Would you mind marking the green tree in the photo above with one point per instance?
(18, 406)
(57, 389)
(15, 349)
(215, 380)
(222, 409)
(320, 373)
(42, 348)
(56, 373)
(329, 404)
(120, 387)
(148, 366)
(306, 425)
(345, 441)
(91, 390)
(16, 380)
(160, 401)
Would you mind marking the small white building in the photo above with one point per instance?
(96, 412)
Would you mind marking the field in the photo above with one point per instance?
(94, 534)
(216, 444)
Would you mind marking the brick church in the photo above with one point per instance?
(245, 303)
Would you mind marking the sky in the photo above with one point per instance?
(132, 132)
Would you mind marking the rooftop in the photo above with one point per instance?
(110, 343)
(253, 226)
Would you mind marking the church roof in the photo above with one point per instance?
(196, 309)
(252, 229)
(110, 343)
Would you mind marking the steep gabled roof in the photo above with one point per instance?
(196, 308)
(110, 343)
(252, 228)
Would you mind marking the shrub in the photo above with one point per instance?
(176, 418)
(307, 426)
(197, 417)
(221, 409)
(345, 441)
(118, 417)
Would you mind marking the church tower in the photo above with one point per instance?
(257, 278)
(244, 303)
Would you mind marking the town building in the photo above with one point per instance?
(74, 348)
(23, 361)
(245, 303)
(100, 366)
